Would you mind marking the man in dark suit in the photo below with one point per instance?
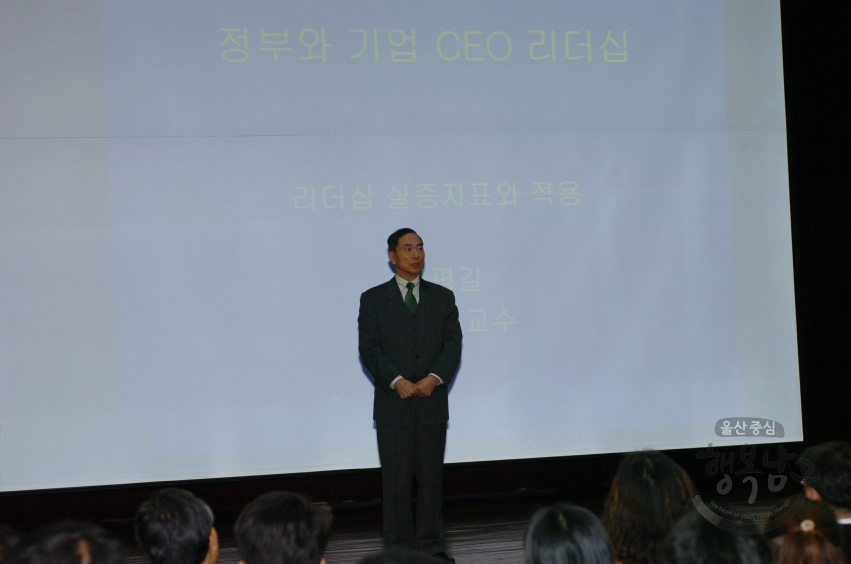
(410, 341)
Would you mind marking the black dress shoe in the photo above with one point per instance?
(444, 557)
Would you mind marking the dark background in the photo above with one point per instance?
(817, 67)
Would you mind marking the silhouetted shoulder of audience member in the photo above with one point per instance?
(818, 512)
(649, 494)
(694, 540)
(811, 537)
(832, 465)
(400, 556)
(175, 527)
(9, 538)
(567, 534)
(282, 528)
(69, 542)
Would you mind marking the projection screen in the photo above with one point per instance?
(194, 194)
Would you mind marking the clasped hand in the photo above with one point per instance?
(407, 389)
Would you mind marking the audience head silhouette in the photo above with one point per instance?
(831, 462)
(694, 540)
(282, 528)
(649, 494)
(818, 512)
(175, 527)
(69, 542)
(811, 536)
(567, 534)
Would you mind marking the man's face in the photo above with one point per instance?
(409, 256)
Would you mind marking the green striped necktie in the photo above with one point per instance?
(410, 300)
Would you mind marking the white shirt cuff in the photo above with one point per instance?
(397, 378)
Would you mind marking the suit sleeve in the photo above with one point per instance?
(447, 361)
(369, 345)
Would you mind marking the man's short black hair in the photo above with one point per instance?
(393, 240)
(282, 528)
(832, 463)
(69, 542)
(173, 527)
(694, 540)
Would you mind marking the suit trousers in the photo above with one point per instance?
(406, 452)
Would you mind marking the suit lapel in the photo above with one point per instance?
(425, 307)
(399, 311)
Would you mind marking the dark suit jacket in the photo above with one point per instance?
(393, 342)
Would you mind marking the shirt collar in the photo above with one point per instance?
(402, 283)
